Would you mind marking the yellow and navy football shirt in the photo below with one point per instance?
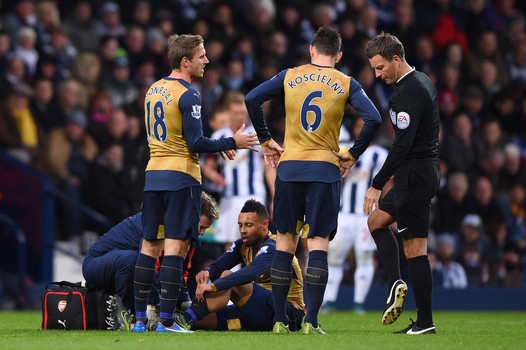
(175, 136)
(257, 263)
(315, 98)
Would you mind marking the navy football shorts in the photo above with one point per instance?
(311, 206)
(172, 214)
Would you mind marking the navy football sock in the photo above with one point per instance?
(143, 282)
(198, 310)
(171, 277)
(315, 282)
(280, 279)
(422, 281)
(388, 253)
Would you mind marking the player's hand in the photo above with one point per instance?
(372, 196)
(271, 153)
(246, 141)
(346, 162)
(228, 154)
(202, 277)
(201, 290)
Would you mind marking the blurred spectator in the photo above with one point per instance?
(86, 71)
(81, 27)
(486, 204)
(62, 50)
(351, 60)
(472, 103)
(245, 53)
(516, 60)
(156, 44)
(425, 59)
(384, 10)
(110, 21)
(479, 16)
(497, 234)
(504, 109)
(448, 106)
(453, 204)
(108, 51)
(20, 132)
(44, 109)
(221, 23)
(517, 200)
(108, 186)
(135, 47)
(25, 49)
(142, 15)
(513, 265)
(23, 16)
(233, 77)
(211, 90)
(164, 21)
(510, 174)
(120, 87)
(47, 17)
(66, 160)
(100, 111)
(368, 22)
(15, 73)
(68, 94)
(460, 149)
(453, 274)
(474, 266)
(487, 48)
(5, 48)
(403, 26)
(278, 49)
(296, 28)
(116, 131)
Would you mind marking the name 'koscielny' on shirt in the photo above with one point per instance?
(160, 90)
(321, 78)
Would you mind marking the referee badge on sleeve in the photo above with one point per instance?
(402, 120)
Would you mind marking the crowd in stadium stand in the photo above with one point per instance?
(73, 76)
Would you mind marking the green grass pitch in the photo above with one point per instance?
(345, 330)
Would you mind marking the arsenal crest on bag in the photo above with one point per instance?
(73, 306)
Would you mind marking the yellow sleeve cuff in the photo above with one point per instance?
(214, 289)
(352, 158)
(265, 143)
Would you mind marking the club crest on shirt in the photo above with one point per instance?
(402, 120)
(196, 111)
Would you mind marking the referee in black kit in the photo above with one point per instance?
(413, 160)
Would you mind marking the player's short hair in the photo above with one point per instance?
(209, 206)
(327, 41)
(385, 45)
(180, 46)
(254, 206)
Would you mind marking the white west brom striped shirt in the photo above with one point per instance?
(360, 177)
(244, 176)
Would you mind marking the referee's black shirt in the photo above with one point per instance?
(413, 110)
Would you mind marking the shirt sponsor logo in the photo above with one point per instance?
(402, 120)
(196, 111)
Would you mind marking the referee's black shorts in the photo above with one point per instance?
(409, 201)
